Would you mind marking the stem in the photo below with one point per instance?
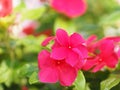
(9, 48)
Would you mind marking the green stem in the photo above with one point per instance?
(9, 48)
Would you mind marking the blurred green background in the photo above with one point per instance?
(18, 50)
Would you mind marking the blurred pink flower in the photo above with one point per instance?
(22, 29)
(52, 70)
(29, 27)
(71, 48)
(5, 7)
(24, 88)
(101, 53)
(70, 8)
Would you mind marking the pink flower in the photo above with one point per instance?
(117, 43)
(70, 8)
(102, 53)
(71, 48)
(52, 70)
(5, 7)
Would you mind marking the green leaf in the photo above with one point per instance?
(1, 87)
(80, 82)
(110, 82)
(19, 7)
(27, 70)
(87, 87)
(34, 78)
(5, 74)
(65, 24)
(31, 43)
(33, 14)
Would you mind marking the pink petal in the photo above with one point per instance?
(73, 58)
(76, 39)
(81, 59)
(106, 47)
(48, 75)
(76, 8)
(46, 41)
(59, 53)
(44, 59)
(5, 7)
(67, 74)
(118, 53)
(98, 67)
(77, 51)
(80, 64)
(89, 64)
(56, 44)
(82, 51)
(112, 61)
(116, 39)
(62, 37)
(91, 39)
(71, 8)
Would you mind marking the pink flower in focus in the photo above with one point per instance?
(52, 70)
(101, 53)
(5, 7)
(117, 43)
(71, 48)
(70, 8)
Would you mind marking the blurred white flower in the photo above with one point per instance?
(32, 4)
(118, 1)
(22, 29)
(111, 31)
(16, 2)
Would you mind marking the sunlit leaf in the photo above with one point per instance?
(33, 14)
(80, 82)
(27, 70)
(87, 87)
(33, 78)
(1, 87)
(111, 19)
(65, 24)
(110, 82)
(19, 7)
(5, 74)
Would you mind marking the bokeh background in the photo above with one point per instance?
(31, 21)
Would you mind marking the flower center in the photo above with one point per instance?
(69, 47)
(100, 59)
(58, 62)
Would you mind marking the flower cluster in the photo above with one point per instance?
(102, 53)
(69, 54)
